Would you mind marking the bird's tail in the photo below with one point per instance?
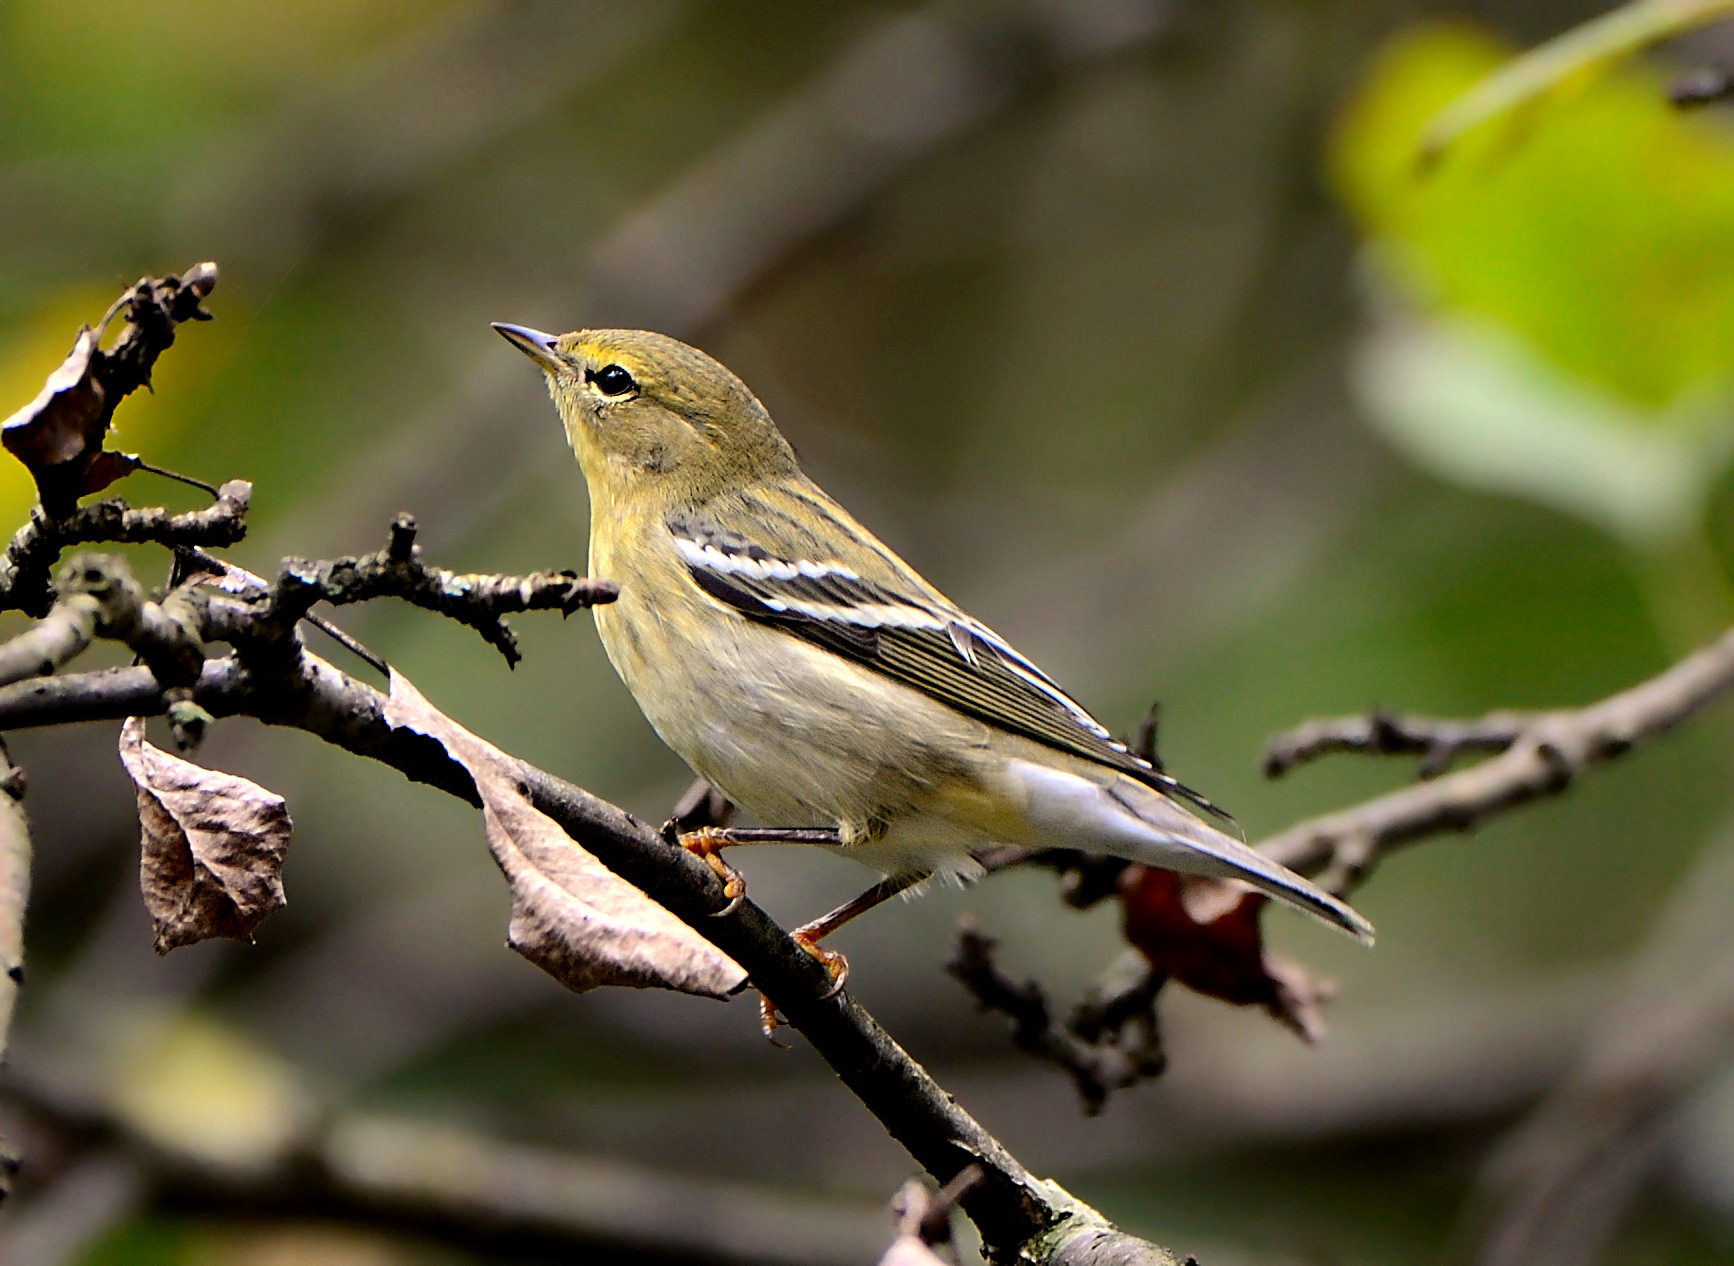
(1127, 819)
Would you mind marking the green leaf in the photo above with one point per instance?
(1475, 405)
(1601, 234)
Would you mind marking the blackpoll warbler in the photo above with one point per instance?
(811, 675)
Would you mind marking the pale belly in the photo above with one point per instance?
(798, 736)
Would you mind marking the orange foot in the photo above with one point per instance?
(708, 843)
(807, 937)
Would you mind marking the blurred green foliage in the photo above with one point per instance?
(1559, 293)
(1593, 224)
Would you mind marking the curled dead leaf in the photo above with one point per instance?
(58, 435)
(1205, 933)
(571, 916)
(56, 426)
(211, 845)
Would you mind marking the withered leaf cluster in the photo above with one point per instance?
(212, 848)
(59, 435)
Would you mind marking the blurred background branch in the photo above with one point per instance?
(1543, 754)
(437, 1181)
(1560, 1182)
(898, 93)
(14, 901)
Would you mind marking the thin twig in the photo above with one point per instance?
(700, 805)
(397, 571)
(1437, 742)
(924, 1220)
(29, 559)
(349, 643)
(1550, 751)
(1108, 1045)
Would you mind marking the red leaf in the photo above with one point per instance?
(1205, 934)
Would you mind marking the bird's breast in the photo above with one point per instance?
(791, 732)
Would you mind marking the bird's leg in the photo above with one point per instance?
(808, 936)
(708, 843)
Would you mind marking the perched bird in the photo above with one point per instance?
(813, 676)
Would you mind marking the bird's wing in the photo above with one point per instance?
(908, 635)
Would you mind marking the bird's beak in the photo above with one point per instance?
(538, 346)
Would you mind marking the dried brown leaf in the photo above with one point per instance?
(571, 916)
(58, 436)
(56, 427)
(104, 467)
(211, 845)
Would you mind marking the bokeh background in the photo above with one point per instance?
(1132, 324)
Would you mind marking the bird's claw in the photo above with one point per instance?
(770, 1022)
(830, 960)
(835, 965)
(708, 843)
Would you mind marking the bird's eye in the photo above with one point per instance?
(611, 380)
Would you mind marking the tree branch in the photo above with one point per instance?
(304, 691)
(14, 898)
(1438, 743)
(1111, 1042)
(270, 612)
(271, 676)
(29, 560)
(1543, 754)
(477, 601)
(1020, 1216)
(1538, 754)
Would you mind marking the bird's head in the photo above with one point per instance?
(652, 418)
